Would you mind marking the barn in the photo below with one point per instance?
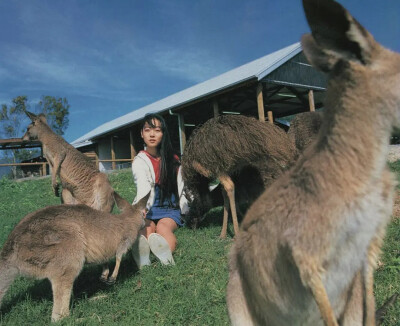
(271, 88)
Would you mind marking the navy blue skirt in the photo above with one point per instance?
(161, 210)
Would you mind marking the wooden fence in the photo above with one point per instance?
(43, 170)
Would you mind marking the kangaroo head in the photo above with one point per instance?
(38, 121)
(141, 204)
(355, 62)
(139, 207)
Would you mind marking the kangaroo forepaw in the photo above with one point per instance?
(110, 281)
(107, 280)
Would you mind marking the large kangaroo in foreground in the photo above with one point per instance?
(55, 243)
(81, 182)
(308, 246)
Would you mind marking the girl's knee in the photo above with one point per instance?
(161, 228)
(166, 230)
(166, 225)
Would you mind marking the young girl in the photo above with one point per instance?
(157, 170)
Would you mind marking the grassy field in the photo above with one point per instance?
(190, 293)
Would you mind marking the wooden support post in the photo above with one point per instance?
(96, 152)
(311, 100)
(182, 132)
(44, 169)
(216, 108)
(97, 161)
(114, 166)
(270, 117)
(260, 102)
(133, 152)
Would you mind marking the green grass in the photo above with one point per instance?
(190, 293)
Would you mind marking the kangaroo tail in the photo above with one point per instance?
(7, 275)
(381, 312)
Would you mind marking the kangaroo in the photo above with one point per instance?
(224, 147)
(308, 246)
(55, 242)
(304, 129)
(81, 182)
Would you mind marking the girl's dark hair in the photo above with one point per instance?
(169, 165)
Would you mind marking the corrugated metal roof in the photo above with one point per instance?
(258, 68)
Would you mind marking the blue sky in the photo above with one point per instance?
(109, 58)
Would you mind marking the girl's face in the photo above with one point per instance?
(152, 136)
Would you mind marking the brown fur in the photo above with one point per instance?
(81, 182)
(304, 129)
(55, 243)
(226, 145)
(308, 246)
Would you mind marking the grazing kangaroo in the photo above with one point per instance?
(226, 145)
(81, 182)
(308, 246)
(55, 242)
(304, 129)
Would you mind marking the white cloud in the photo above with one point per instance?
(41, 67)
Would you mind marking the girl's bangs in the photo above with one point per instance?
(149, 120)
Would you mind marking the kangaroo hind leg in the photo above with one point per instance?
(62, 289)
(62, 276)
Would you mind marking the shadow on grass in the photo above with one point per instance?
(214, 217)
(86, 285)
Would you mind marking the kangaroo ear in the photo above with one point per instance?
(337, 34)
(42, 117)
(316, 56)
(141, 204)
(31, 115)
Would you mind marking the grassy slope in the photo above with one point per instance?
(190, 293)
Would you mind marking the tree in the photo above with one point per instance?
(10, 117)
(56, 111)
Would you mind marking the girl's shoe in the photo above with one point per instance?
(141, 252)
(160, 248)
